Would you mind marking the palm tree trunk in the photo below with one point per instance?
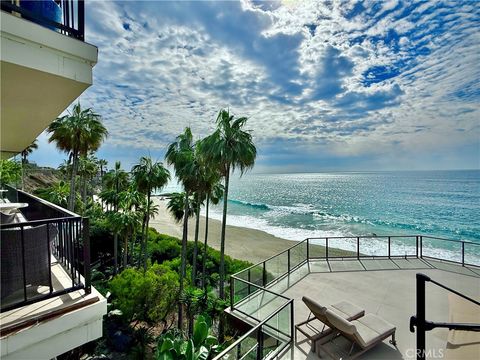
(115, 252)
(125, 253)
(184, 259)
(195, 248)
(221, 325)
(84, 189)
(145, 235)
(140, 259)
(204, 260)
(71, 199)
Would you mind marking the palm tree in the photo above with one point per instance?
(76, 134)
(87, 169)
(56, 193)
(102, 163)
(148, 177)
(27, 151)
(125, 223)
(214, 194)
(229, 147)
(116, 181)
(181, 155)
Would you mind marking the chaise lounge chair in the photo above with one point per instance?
(344, 309)
(365, 333)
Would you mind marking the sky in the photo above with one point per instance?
(326, 85)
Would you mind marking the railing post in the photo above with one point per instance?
(463, 253)
(326, 248)
(288, 262)
(389, 246)
(231, 292)
(81, 19)
(358, 248)
(264, 275)
(86, 254)
(292, 320)
(420, 317)
(260, 343)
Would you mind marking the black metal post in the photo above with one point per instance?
(326, 248)
(231, 292)
(420, 317)
(292, 320)
(264, 275)
(288, 262)
(81, 19)
(358, 248)
(463, 253)
(260, 343)
(389, 245)
(86, 255)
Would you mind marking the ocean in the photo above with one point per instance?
(443, 204)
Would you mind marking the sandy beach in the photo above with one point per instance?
(241, 243)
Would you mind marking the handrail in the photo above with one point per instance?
(424, 325)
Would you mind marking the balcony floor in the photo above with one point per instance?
(385, 288)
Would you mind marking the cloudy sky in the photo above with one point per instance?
(327, 85)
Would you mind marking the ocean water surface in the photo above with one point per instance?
(443, 204)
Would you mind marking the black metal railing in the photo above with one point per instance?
(72, 17)
(419, 320)
(33, 251)
(254, 281)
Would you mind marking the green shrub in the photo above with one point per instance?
(148, 297)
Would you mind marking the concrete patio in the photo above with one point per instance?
(384, 287)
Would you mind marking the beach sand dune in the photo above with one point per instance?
(241, 243)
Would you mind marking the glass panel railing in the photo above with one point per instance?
(254, 301)
(441, 249)
(276, 266)
(243, 349)
(472, 253)
(403, 246)
(298, 254)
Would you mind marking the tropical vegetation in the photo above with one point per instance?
(166, 295)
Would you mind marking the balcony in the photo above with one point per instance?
(45, 66)
(48, 305)
(266, 298)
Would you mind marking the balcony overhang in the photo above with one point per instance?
(42, 73)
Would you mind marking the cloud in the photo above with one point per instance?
(357, 79)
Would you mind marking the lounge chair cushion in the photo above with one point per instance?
(370, 328)
(344, 309)
(340, 323)
(347, 310)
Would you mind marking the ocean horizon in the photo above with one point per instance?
(295, 206)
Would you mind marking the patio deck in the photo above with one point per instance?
(385, 287)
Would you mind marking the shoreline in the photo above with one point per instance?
(241, 243)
